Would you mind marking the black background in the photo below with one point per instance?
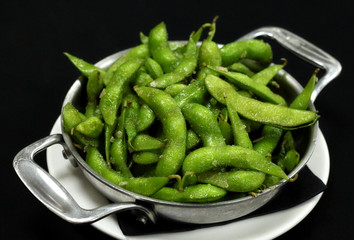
(35, 77)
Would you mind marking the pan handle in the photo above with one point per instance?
(304, 50)
(53, 195)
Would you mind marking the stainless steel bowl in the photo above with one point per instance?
(49, 191)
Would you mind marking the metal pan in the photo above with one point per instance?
(53, 195)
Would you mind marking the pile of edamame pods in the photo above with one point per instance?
(189, 122)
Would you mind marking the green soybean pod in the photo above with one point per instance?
(233, 181)
(93, 88)
(91, 127)
(269, 140)
(200, 193)
(160, 51)
(192, 139)
(174, 127)
(303, 99)
(266, 75)
(195, 92)
(226, 130)
(271, 135)
(112, 95)
(251, 49)
(146, 118)
(143, 186)
(139, 52)
(84, 67)
(144, 142)
(184, 69)
(118, 148)
(241, 68)
(240, 134)
(289, 161)
(71, 118)
(244, 82)
(255, 110)
(132, 114)
(175, 89)
(146, 157)
(204, 123)
(208, 158)
(153, 68)
(142, 79)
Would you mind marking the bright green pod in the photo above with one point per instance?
(146, 157)
(118, 148)
(71, 118)
(195, 92)
(252, 49)
(244, 82)
(93, 88)
(138, 52)
(160, 51)
(266, 113)
(91, 127)
(153, 68)
(204, 123)
(226, 131)
(142, 79)
(241, 68)
(132, 114)
(303, 99)
(174, 127)
(143, 186)
(233, 181)
(200, 193)
(112, 95)
(192, 140)
(184, 69)
(269, 140)
(146, 118)
(175, 89)
(266, 75)
(208, 158)
(84, 67)
(144, 142)
(239, 131)
(289, 161)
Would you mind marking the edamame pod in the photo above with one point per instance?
(143, 142)
(252, 49)
(91, 127)
(204, 123)
(266, 75)
(118, 148)
(112, 96)
(208, 158)
(174, 127)
(175, 89)
(233, 181)
(244, 82)
(199, 193)
(143, 186)
(146, 157)
(146, 118)
(84, 67)
(138, 52)
(258, 111)
(93, 88)
(160, 51)
(195, 92)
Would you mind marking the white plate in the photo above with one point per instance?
(263, 227)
